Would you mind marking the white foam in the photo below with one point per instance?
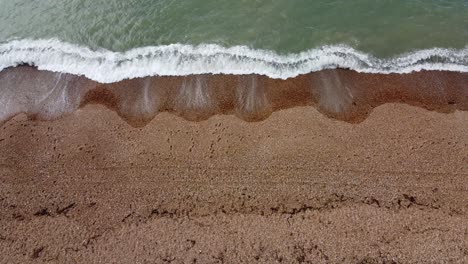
(179, 60)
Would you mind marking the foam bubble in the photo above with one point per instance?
(179, 60)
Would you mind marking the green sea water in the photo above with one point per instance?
(383, 28)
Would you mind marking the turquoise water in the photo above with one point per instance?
(382, 30)
(381, 27)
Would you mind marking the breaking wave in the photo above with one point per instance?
(179, 60)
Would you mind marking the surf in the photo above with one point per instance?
(106, 66)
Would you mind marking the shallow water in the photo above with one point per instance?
(382, 28)
(115, 40)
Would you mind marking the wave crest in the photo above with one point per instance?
(179, 60)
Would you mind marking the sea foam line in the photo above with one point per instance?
(178, 60)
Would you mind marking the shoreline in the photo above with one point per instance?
(340, 94)
(106, 66)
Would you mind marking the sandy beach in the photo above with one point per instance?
(205, 131)
(296, 187)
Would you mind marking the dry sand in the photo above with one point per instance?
(296, 187)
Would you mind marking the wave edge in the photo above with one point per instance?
(107, 66)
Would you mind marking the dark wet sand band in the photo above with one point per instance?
(341, 94)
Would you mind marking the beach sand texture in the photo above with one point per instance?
(295, 187)
(206, 131)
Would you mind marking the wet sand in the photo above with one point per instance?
(296, 187)
(339, 94)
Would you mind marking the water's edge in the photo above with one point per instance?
(106, 66)
(341, 94)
